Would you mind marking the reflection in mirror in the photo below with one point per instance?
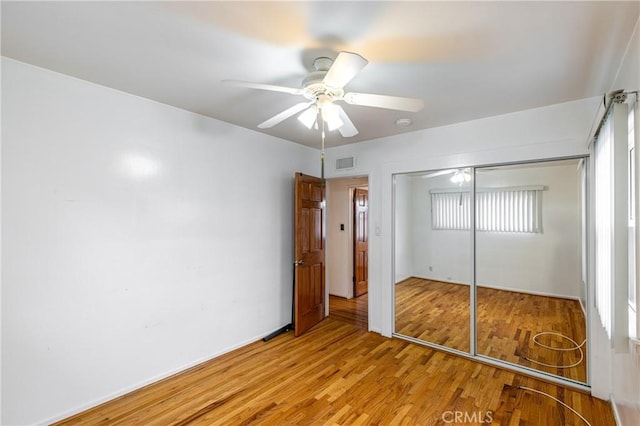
(432, 257)
(531, 291)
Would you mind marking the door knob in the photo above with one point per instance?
(298, 262)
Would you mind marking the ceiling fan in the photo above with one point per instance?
(323, 87)
(456, 172)
(460, 175)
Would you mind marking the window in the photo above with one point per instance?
(497, 210)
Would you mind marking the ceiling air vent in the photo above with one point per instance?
(345, 163)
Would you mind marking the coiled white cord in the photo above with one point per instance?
(553, 333)
(557, 400)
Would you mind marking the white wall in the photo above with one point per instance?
(339, 253)
(546, 263)
(139, 239)
(404, 224)
(443, 255)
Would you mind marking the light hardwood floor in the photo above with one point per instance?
(354, 311)
(433, 311)
(339, 374)
(508, 321)
(438, 312)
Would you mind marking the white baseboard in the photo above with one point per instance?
(424, 277)
(129, 389)
(614, 408)
(584, 309)
(532, 292)
(399, 280)
(512, 289)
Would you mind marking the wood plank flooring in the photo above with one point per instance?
(507, 322)
(339, 374)
(433, 311)
(354, 311)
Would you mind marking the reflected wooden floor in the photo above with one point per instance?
(353, 311)
(507, 322)
(433, 311)
(339, 374)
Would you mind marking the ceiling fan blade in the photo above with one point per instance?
(439, 173)
(284, 115)
(261, 86)
(384, 101)
(346, 66)
(347, 129)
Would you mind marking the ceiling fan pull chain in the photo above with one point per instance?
(322, 153)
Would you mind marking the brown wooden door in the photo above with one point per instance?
(309, 247)
(360, 242)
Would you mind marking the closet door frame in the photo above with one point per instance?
(473, 354)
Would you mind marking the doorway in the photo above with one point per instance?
(341, 243)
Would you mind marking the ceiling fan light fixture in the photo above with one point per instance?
(460, 177)
(334, 123)
(309, 116)
(330, 115)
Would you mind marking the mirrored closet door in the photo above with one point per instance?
(433, 257)
(530, 279)
(522, 257)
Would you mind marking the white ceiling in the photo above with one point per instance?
(466, 60)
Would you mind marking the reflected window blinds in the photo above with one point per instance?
(450, 210)
(497, 210)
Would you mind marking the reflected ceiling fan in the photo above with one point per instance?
(323, 87)
(460, 176)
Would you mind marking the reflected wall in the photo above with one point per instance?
(530, 290)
